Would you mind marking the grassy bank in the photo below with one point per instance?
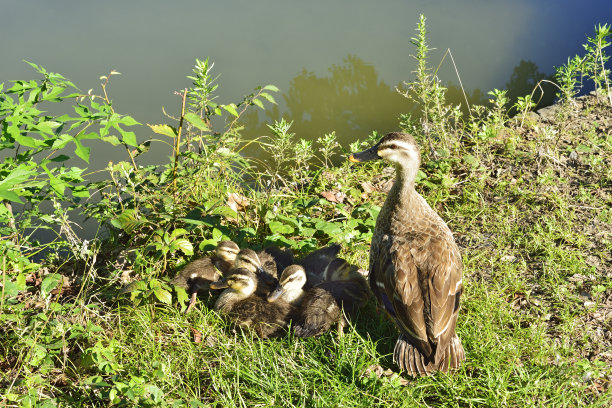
(529, 200)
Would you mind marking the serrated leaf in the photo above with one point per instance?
(165, 130)
(267, 96)
(271, 87)
(129, 138)
(259, 103)
(196, 121)
(231, 108)
(163, 296)
(49, 283)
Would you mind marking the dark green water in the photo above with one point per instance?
(336, 62)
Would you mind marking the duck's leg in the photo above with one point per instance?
(192, 301)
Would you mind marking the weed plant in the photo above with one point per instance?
(97, 323)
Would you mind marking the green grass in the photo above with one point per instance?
(527, 226)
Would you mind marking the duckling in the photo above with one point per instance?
(265, 272)
(315, 263)
(346, 284)
(316, 309)
(415, 266)
(275, 259)
(241, 302)
(200, 273)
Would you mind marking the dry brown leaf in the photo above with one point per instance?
(237, 202)
(334, 196)
(197, 336)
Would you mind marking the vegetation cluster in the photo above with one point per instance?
(96, 323)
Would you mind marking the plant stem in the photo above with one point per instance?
(178, 142)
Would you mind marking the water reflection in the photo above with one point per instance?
(353, 101)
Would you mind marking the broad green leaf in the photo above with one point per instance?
(225, 211)
(82, 151)
(128, 121)
(49, 283)
(28, 141)
(196, 121)
(129, 138)
(181, 295)
(18, 175)
(80, 191)
(208, 245)
(163, 296)
(178, 232)
(62, 141)
(272, 88)
(277, 227)
(184, 245)
(60, 158)
(165, 130)
(231, 108)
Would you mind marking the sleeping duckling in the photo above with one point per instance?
(346, 284)
(265, 272)
(198, 274)
(240, 302)
(315, 263)
(316, 309)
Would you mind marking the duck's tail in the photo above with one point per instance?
(413, 362)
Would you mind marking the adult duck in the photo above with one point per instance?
(415, 265)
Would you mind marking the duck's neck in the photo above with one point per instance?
(294, 296)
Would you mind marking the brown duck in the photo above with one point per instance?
(198, 274)
(415, 266)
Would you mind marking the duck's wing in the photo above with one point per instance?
(197, 273)
(438, 262)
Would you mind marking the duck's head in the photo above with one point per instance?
(240, 281)
(248, 259)
(399, 148)
(227, 251)
(290, 284)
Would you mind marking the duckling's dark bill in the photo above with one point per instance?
(366, 155)
(220, 284)
(276, 294)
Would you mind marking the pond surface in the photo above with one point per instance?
(337, 63)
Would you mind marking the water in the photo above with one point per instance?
(336, 62)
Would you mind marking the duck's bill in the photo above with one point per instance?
(276, 293)
(366, 155)
(220, 284)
